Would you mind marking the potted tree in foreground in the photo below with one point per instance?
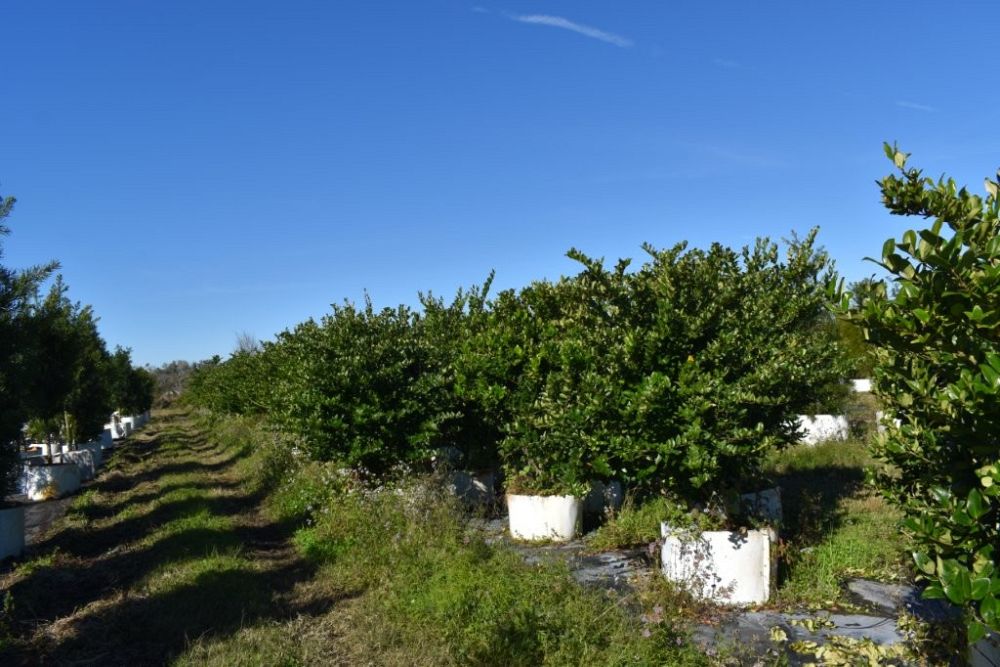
(728, 347)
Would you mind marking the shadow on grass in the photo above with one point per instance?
(95, 601)
(107, 510)
(810, 500)
(156, 629)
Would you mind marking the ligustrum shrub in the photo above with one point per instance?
(937, 369)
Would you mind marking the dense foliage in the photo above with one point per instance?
(55, 370)
(16, 290)
(938, 371)
(676, 376)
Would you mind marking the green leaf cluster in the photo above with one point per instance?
(937, 368)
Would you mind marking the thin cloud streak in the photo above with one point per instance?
(566, 24)
(914, 106)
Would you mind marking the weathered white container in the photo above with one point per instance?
(128, 423)
(475, 488)
(84, 460)
(44, 448)
(117, 429)
(862, 385)
(726, 567)
(823, 428)
(95, 450)
(556, 518)
(603, 497)
(11, 531)
(50, 481)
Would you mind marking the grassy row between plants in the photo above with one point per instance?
(424, 587)
(190, 550)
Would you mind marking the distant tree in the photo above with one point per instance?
(69, 365)
(16, 290)
(852, 337)
(246, 343)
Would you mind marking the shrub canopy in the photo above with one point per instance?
(937, 368)
(678, 375)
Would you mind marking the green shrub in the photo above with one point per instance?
(937, 369)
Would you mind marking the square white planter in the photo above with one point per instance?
(84, 460)
(726, 567)
(50, 481)
(11, 531)
(556, 518)
(128, 424)
(823, 428)
(862, 385)
(95, 450)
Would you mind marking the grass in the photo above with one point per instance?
(836, 527)
(191, 550)
(229, 550)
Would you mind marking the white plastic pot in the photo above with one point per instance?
(554, 518)
(84, 460)
(726, 567)
(50, 481)
(603, 497)
(823, 428)
(11, 531)
(95, 450)
(862, 385)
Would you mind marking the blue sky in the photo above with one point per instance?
(203, 169)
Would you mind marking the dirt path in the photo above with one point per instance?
(164, 549)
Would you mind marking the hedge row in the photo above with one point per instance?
(676, 376)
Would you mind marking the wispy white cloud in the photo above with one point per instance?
(566, 24)
(914, 106)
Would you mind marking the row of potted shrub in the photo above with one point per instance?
(50, 470)
(675, 377)
(57, 378)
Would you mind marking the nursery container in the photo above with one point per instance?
(84, 460)
(556, 518)
(603, 496)
(823, 428)
(95, 450)
(475, 488)
(11, 531)
(50, 481)
(726, 567)
(862, 385)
